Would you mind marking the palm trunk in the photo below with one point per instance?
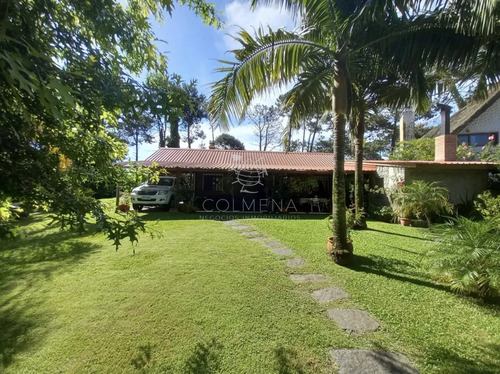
(340, 107)
(359, 132)
(338, 195)
(288, 145)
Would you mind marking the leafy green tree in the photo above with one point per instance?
(136, 123)
(194, 112)
(226, 141)
(63, 69)
(266, 122)
(417, 149)
(167, 99)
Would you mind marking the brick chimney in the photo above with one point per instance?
(211, 145)
(446, 143)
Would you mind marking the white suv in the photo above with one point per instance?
(149, 194)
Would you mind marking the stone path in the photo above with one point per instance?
(352, 321)
(326, 295)
(297, 262)
(308, 278)
(357, 361)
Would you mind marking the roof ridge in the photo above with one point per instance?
(244, 150)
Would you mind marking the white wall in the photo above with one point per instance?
(489, 121)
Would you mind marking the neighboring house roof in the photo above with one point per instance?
(466, 115)
(436, 164)
(219, 159)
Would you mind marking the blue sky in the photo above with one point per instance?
(193, 49)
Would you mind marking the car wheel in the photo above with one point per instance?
(166, 207)
(137, 207)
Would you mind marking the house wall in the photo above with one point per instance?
(463, 184)
(489, 121)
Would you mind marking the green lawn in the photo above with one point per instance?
(203, 299)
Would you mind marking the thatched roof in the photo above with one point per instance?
(466, 115)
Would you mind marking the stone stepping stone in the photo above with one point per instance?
(231, 223)
(273, 244)
(358, 361)
(326, 295)
(353, 321)
(308, 278)
(296, 262)
(258, 239)
(250, 233)
(239, 227)
(282, 251)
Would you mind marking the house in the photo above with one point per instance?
(255, 181)
(476, 124)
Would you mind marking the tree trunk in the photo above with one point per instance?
(359, 132)
(340, 107)
(189, 134)
(162, 138)
(174, 139)
(136, 147)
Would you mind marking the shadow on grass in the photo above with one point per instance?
(205, 359)
(401, 235)
(143, 358)
(391, 268)
(287, 361)
(23, 263)
(453, 363)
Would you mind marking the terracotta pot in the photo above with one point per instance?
(405, 221)
(342, 257)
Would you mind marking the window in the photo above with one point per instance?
(479, 139)
(212, 182)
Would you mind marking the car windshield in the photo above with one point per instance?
(163, 182)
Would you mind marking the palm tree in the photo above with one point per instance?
(325, 56)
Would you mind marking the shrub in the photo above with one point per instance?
(422, 200)
(417, 149)
(467, 256)
(488, 206)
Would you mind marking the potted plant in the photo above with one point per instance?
(339, 256)
(404, 212)
(422, 200)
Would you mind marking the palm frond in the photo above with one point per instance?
(312, 93)
(264, 62)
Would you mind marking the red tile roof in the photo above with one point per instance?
(219, 159)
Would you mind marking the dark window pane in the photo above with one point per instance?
(463, 139)
(212, 182)
(479, 139)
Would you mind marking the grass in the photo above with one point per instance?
(203, 299)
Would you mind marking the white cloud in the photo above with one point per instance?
(240, 15)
